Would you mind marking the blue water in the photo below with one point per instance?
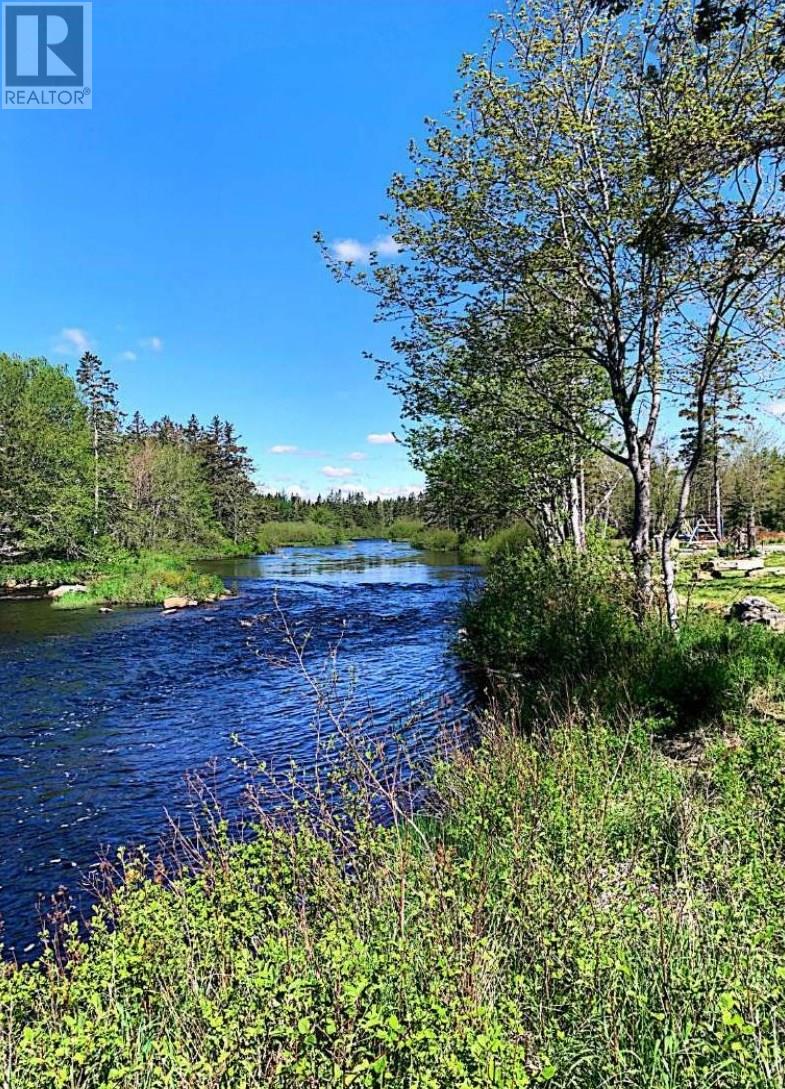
(101, 716)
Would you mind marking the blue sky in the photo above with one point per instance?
(170, 227)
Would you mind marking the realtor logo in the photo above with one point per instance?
(47, 56)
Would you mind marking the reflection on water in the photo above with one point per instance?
(101, 715)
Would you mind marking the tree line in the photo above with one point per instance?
(77, 474)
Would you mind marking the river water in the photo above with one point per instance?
(102, 716)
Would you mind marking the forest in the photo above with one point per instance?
(87, 489)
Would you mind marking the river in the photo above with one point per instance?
(102, 716)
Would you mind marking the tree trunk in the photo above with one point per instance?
(669, 580)
(718, 499)
(640, 541)
(577, 527)
(96, 488)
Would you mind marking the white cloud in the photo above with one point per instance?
(775, 408)
(350, 249)
(356, 455)
(386, 439)
(127, 357)
(399, 493)
(396, 492)
(152, 344)
(73, 341)
(283, 448)
(340, 471)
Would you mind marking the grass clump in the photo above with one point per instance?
(274, 535)
(576, 910)
(146, 579)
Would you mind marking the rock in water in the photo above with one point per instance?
(757, 610)
(176, 602)
(61, 591)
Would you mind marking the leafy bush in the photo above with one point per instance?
(404, 529)
(514, 539)
(579, 912)
(561, 626)
(436, 540)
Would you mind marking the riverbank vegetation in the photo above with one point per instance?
(588, 896)
(147, 579)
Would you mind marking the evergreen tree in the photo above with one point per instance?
(104, 416)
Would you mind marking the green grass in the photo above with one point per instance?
(570, 906)
(147, 579)
(47, 573)
(274, 535)
(579, 911)
(721, 592)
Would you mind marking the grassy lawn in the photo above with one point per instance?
(719, 593)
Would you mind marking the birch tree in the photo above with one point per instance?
(608, 190)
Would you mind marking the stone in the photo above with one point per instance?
(105, 609)
(744, 563)
(176, 603)
(61, 591)
(757, 610)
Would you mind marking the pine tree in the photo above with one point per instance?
(104, 416)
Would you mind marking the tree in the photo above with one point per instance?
(167, 498)
(607, 194)
(103, 413)
(45, 461)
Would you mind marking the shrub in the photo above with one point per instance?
(561, 626)
(404, 529)
(514, 539)
(273, 535)
(436, 540)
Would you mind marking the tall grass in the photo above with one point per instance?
(146, 579)
(274, 535)
(577, 911)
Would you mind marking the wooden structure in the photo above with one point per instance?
(699, 532)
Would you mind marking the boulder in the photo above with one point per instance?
(176, 602)
(757, 610)
(61, 591)
(744, 563)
